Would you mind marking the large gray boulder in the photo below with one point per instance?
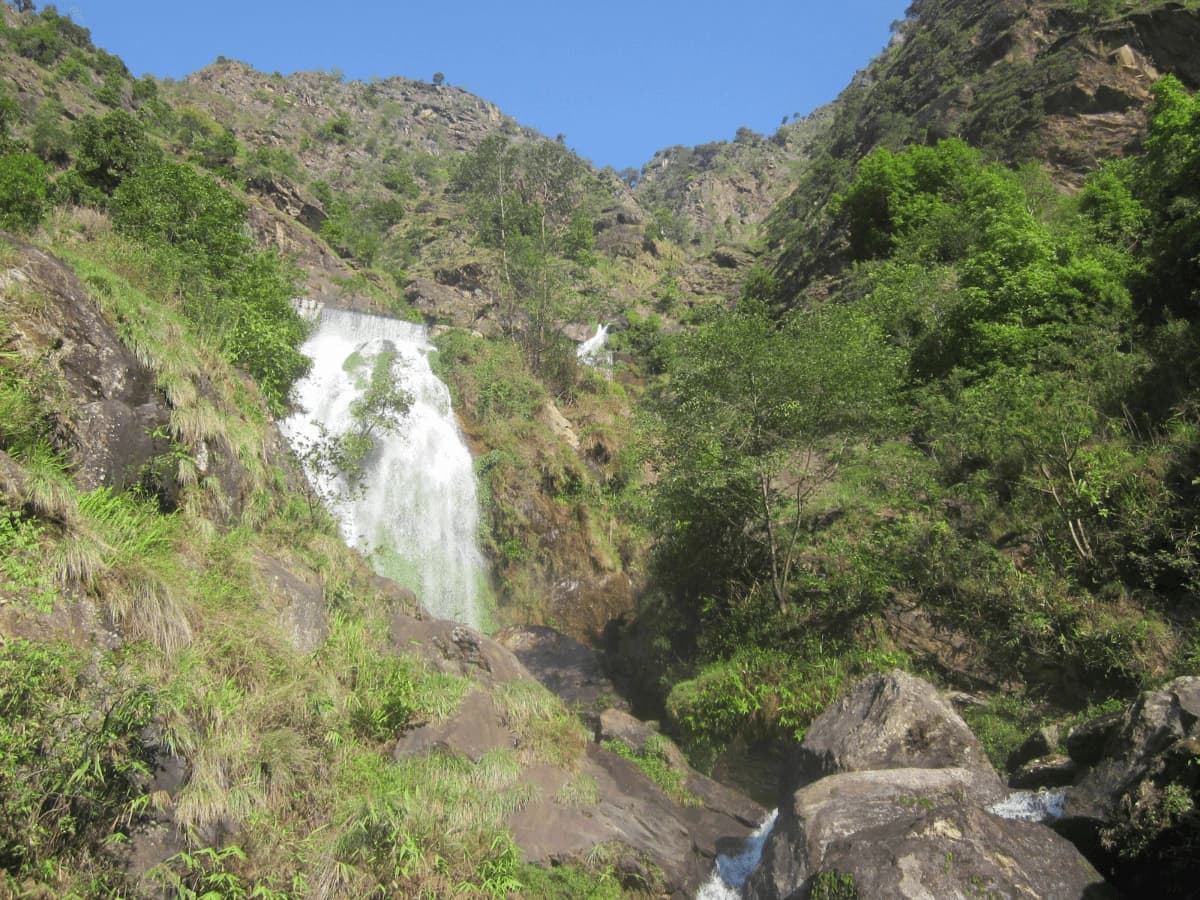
(890, 720)
(892, 795)
(1138, 748)
(960, 851)
(840, 806)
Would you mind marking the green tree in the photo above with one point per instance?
(755, 420)
(24, 189)
(108, 149)
(378, 410)
(530, 203)
(236, 294)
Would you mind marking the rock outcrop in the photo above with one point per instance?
(1130, 808)
(601, 799)
(111, 417)
(891, 797)
(890, 721)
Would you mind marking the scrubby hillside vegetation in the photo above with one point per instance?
(911, 383)
(201, 687)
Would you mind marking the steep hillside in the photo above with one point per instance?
(717, 193)
(205, 692)
(1061, 84)
(911, 383)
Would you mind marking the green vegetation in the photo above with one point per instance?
(834, 886)
(71, 758)
(379, 410)
(979, 424)
(948, 397)
(655, 760)
(533, 205)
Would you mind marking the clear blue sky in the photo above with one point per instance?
(620, 79)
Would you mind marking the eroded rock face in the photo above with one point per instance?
(570, 669)
(113, 420)
(603, 799)
(889, 721)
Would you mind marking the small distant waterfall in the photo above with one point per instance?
(591, 352)
(416, 516)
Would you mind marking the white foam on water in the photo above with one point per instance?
(416, 516)
(731, 872)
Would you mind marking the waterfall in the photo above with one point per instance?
(415, 515)
(731, 872)
(591, 351)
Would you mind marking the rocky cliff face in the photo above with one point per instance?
(368, 119)
(1025, 80)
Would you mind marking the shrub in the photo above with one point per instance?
(108, 149)
(240, 296)
(71, 755)
(24, 191)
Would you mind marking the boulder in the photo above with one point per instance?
(1137, 749)
(963, 852)
(473, 730)
(1052, 770)
(840, 806)
(1042, 742)
(632, 812)
(892, 794)
(455, 649)
(888, 721)
(618, 725)
(1085, 742)
(301, 603)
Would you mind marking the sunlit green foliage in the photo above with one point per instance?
(24, 191)
(237, 294)
(72, 762)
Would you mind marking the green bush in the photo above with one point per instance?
(24, 191)
(236, 294)
(108, 149)
(72, 760)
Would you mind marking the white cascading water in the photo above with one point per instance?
(731, 872)
(591, 351)
(416, 515)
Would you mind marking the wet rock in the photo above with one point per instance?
(1052, 770)
(1042, 742)
(888, 721)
